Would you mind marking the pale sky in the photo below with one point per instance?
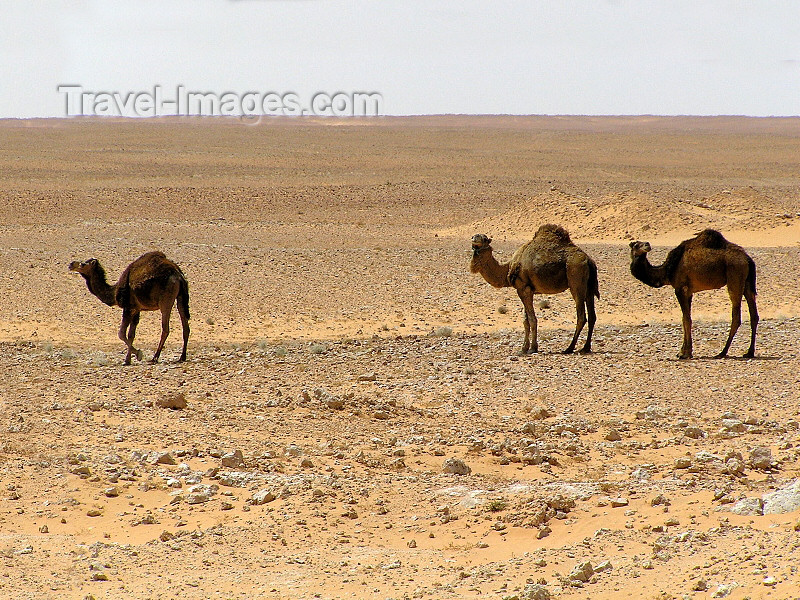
(423, 56)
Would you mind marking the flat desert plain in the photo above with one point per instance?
(343, 361)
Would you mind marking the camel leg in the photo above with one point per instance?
(132, 334)
(685, 300)
(587, 347)
(750, 296)
(736, 317)
(580, 309)
(185, 323)
(129, 320)
(165, 315)
(530, 323)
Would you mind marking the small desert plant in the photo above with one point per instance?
(262, 345)
(496, 505)
(318, 348)
(443, 331)
(280, 351)
(210, 321)
(98, 359)
(502, 309)
(68, 354)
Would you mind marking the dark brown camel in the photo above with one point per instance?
(549, 264)
(151, 282)
(705, 262)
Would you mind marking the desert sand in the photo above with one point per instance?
(342, 354)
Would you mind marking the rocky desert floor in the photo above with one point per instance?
(353, 419)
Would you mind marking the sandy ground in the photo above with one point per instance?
(341, 352)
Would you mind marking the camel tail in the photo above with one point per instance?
(594, 287)
(183, 296)
(750, 282)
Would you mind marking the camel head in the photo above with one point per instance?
(639, 248)
(85, 268)
(480, 242)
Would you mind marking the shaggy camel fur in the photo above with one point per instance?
(151, 282)
(549, 264)
(705, 262)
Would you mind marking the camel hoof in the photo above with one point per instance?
(585, 350)
(684, 356)
(154, 361)
(568, 351)
(126, 363)
(721, 355)
(182, 358)
(749, 355)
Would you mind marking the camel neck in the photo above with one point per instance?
(493, 272)
(653, 276)
(97, 284)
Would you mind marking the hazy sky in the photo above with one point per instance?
(422, 56)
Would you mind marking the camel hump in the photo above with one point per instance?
(149, 266)
(555, 233)
(711, 238)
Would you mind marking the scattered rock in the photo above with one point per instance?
(164, 458)
(784, 500)
(603, 566)
(619, 502)
(694, 432)
(582, 572)
(456, 466)
(539, 412)
(200, 493)
(660, 500)
(233, 459)
(293, 450)
(613, 435)
(328, 399)
(761, 458)
(748, 507)
(682, 463)
(262, 497)
(701, 585)
(733, 426)
(535, 591)
(174, 401)
(724, 590)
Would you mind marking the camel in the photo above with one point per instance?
(705, 262)
(549, 264)
(151, 282)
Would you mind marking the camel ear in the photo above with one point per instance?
(488, 240)
(632, 244)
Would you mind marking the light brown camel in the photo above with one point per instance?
(549, 264)
(705, 262)
(151, 282)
